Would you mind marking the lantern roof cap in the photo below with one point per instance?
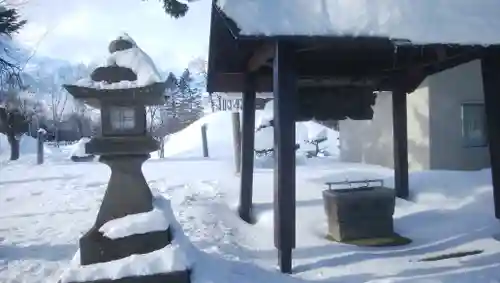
(146, 95)
(126, 67)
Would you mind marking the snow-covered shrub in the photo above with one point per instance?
(316, 140)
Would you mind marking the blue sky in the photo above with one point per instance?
(80, 30)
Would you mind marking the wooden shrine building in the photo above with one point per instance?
(327, 76)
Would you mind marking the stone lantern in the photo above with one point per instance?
(121, 95)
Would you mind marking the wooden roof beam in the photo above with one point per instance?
(260, 57)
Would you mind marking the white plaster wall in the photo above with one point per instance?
(418, 128)
(448, 90)
(371, 142)
(434, 125)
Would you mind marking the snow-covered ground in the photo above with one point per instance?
(46, 208)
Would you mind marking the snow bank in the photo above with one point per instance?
(422, 21)
(135, 59)
(27, 145)
(187, 143)
(134, 224)
(78, 149)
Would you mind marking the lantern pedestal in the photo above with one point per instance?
(127, 193)
(96, 248)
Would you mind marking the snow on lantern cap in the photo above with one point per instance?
(122, 42)
(127, 66)
(129, 75)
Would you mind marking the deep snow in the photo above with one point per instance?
(27, 145)
(45, 209)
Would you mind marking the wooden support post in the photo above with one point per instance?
(40, 145)
(162, 147)
(400, 135)
(204, 140)
(247, 150)
(490, 65)
(237, 140)
(285, 99)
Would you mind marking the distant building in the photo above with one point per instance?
(446, 125)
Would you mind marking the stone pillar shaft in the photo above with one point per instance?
(127, 192)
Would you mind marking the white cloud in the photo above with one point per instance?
(80, 30)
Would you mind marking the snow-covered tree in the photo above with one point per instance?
(200, 68)
(316, 139)
(264, 133)
(57, 105)
(170, 114)
(190, 106)
(15, 112)
(10, 24)
(19, 110)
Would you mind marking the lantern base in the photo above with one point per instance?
(127, 193)
(96, 248)
(172, 277)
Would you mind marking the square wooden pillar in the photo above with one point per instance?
(247, 149)
(285, 100)
(490, 67)
(400, 135)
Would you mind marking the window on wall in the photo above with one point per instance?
(474, 125)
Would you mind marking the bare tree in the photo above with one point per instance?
(157, 124)
(58, 100)
(153, 117)
(81, 115)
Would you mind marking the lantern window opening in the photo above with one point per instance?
(122, 118)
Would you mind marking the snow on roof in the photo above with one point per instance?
(422, 21)
(135, 59)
